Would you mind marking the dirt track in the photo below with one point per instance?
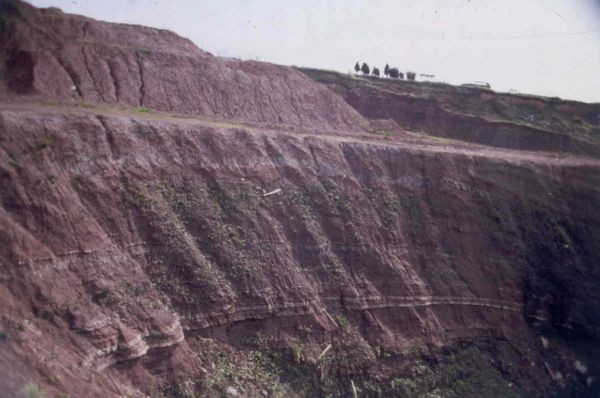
(407, 140)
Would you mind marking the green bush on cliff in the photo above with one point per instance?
(32, 390)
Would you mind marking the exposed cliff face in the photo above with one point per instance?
(123, 233)
(61, 56)
(473, 115)
(142, 253)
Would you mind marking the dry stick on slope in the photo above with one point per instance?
(324, 352)
(115, 384)
(354, 393)
(272, 192)
(330, 318)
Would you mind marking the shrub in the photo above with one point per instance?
(365, 68)
(31, 390)
(105, 298)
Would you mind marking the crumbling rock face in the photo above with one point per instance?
(19, 72)
(429, 116)
(69, 57)
(145, 253)
(473, 115)
(125, 235)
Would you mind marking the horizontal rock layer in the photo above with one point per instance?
(473, 115)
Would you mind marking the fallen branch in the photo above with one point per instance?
(353, 389)
(324, 352)
(115, 384)
(330, 318)
(272, 192)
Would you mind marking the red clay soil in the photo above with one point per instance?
(64, 57)
(473, 115)
(141, 253)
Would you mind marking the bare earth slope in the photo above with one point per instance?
(472, 114)
(141, 254)
(65, 57)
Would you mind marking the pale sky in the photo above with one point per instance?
(544, 47)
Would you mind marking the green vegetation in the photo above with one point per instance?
(291, 368)
(49, 312)
(251, 372)
(365, 68)
(465, 371)
(342, 321)
(106, 298)
(384, 134)
(235, 238)
(83, 104)
(211, 218)
(468, 369)
(471, 368)
(31, 390)
(199, 230)
(394, 73)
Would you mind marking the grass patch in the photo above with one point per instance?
(32, 390)
(83, 104)
(384, 133)
(106, 298)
